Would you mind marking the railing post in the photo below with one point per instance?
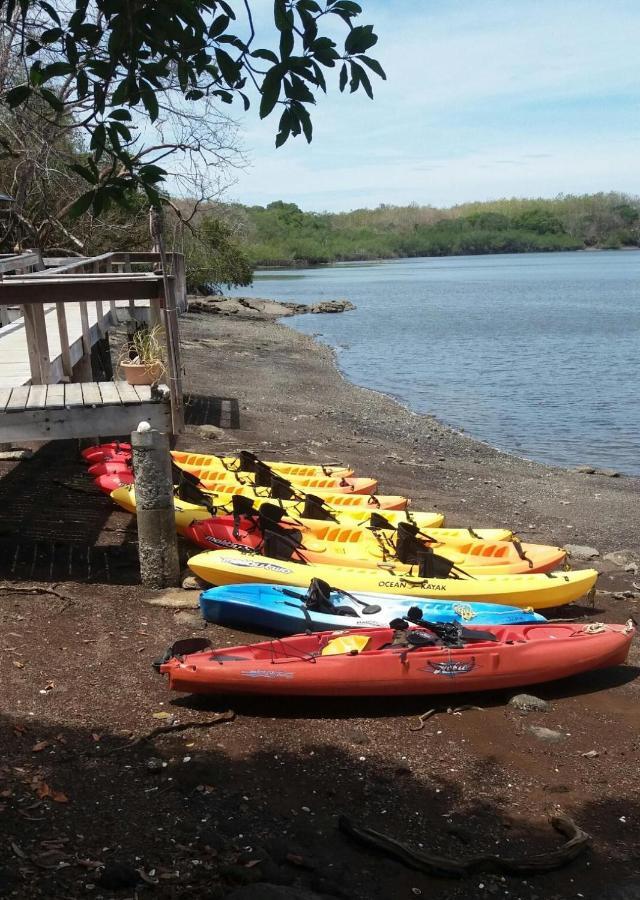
(181, 282)
(174, 362)
(157, 540)
(63, 331)
(35, 329)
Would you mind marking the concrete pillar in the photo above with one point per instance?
(157, 540)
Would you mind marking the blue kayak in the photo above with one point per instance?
(280, 610)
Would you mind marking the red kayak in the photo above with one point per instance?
(115, 450)
(109, 483)
(437, 659)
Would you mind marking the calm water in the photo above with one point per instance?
(537, 354)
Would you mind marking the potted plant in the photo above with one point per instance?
(142, 360)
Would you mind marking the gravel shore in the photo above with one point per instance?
(95, 803)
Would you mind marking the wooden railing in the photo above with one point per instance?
(17, 264)
(101, 280)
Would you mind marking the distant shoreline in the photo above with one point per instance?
(306, 264)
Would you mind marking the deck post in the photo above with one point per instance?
(157, 539)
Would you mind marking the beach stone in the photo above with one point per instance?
(265, 891)
(527, 702)
(585, 470)
(191, 619)
(621, 558)
(546, 734)
(210, 431)
(580, 551)
(193, 583)
(173, 598)
(610, 473)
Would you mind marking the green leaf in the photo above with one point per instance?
(52, 99)
(98, 140)
(270, 90)
(343, 77)
(296, 89)
(284, 129)
(82, 84)
(51, 35)
(269, 55)
(120, 115)
(280, 15)
(360, 39)
(150, 101)
(374, 65)
(50, 11)
(84, 172)
(286, 44)
(218, 26)
(305, 120)
(81, 205)
(18, 95)
(228, 66)
(55, 70)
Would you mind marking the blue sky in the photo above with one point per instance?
(484, 99)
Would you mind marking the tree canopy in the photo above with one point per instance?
(109, 68)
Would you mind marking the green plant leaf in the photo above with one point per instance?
(270, 91)
(374, 65)
(81, 205)
(18, 95)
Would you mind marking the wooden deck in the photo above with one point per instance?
(15, 369)
(61, 411)
(45, 354)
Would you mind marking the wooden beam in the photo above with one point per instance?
(82, 421)
(86, 288)
(21, 261)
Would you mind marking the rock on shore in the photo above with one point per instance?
(254, 308)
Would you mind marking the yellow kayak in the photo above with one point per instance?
(187, 513)
(216, 479)
(538, 591)
(245, 462)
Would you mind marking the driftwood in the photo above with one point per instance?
(227, 716)
(452, 867)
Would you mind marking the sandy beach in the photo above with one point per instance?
(254, 802)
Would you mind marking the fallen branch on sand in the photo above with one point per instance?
(452, 867)
(227, 716)
(458, 710)
(10, 587)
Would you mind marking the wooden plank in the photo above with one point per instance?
(5, 393)
(37, 396)
(127, 392)
(63, 332)
(37, 343)
(84, 288)
(79, 422)
(91, 395)
(18, 398)
(21, 261)
(55, 396)
(110, 393)
(144, 392)
(73, 395)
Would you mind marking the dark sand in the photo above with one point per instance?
(267, 788)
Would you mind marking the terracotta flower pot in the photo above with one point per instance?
(142, 373)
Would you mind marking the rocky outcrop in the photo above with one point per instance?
(255, 308)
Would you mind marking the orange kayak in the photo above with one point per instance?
(363, 662)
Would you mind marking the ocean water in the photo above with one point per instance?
(536, 354)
